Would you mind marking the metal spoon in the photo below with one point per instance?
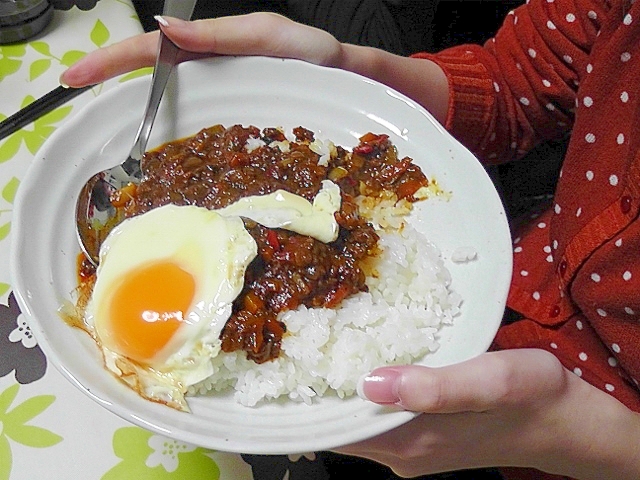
(96, 213)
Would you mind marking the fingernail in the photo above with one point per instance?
(65, 74)
(171, 21)
(380, 386)
(77, 73)
(161, 20)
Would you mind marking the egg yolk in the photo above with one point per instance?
(148, 307)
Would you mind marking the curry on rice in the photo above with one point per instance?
(219, 165)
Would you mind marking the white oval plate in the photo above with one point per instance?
(265, 92)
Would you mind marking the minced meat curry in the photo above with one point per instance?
(219, 165)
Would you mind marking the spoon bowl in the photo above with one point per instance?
(98, 207)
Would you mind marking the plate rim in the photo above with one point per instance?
(21, 291)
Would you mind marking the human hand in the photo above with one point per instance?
(254, 34)
(511, 408)
(266, 34)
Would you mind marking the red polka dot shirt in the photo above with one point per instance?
(559, 66)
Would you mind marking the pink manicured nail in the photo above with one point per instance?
(77, 74)
(172, 22)
(161, 20)
(380, 386)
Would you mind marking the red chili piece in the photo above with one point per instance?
(363, 149)
(272, 240)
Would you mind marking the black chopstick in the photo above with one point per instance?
(38, 108)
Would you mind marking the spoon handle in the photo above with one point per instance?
(182, 9)
(165, 61)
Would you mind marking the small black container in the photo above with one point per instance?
(22, 19)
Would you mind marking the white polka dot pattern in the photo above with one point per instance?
(572, 66)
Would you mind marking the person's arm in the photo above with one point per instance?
(270, 35)
(517, 408)
(500, 100)
(520, 88)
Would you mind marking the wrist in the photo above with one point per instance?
(419, 79)
(599, 438)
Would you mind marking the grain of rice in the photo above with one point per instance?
(464, 254)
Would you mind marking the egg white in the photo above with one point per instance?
(215, 250)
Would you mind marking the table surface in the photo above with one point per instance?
(48, 428)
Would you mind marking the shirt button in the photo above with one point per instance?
(562, 268)
(625, 204)
(555, 311)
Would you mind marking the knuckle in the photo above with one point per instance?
(265, 22)
(518, 381)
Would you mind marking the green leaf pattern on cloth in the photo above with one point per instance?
(141, 72)
(10, 189)
(13, 426)
(4, 230)
(10, 55)
(100, 34)
(33, 136)
(10, 59)
(145, 455)
(39, 67)
(71, 57)
(41, 47)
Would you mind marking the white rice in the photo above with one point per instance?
(464, 254)
(326, 351)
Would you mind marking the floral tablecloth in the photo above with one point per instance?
(48, 428)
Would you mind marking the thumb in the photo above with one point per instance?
(422, 389)
(479, 384)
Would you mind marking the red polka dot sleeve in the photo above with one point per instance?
(520, 88)
(559, 66)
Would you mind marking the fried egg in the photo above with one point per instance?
(167, 279)
(164, 290)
